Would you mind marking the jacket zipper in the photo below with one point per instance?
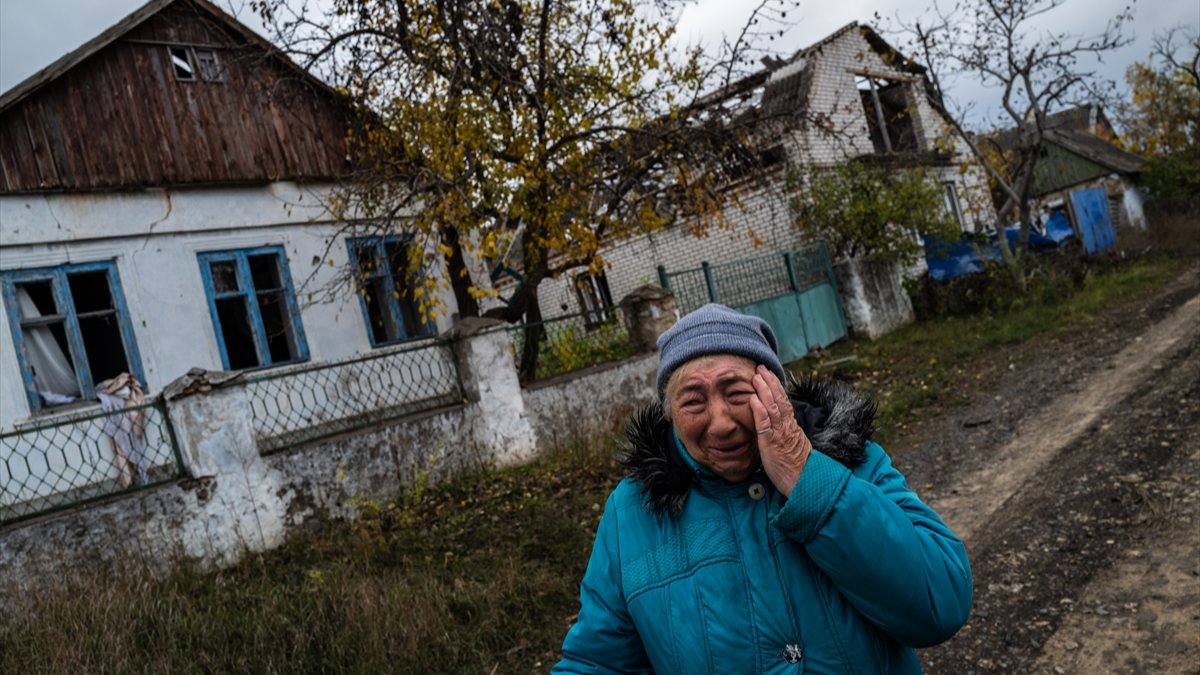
(787, 595)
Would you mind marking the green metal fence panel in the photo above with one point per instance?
(787, 320)
(822, 312)
(81, 458)
(795, 292)
(746, 281)
(812, 267)
(300, 405)
(575, 341)
(690, 288)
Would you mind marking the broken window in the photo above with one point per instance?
(192, 63)
(385, 290)
(206, 64)
(181, 63)
(253, 308)
(71, 329)
(887, 105)
(595, 300)
(950, 199)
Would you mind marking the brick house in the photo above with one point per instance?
(858, 100)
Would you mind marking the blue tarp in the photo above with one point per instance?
(947, 260)
(950, 259)
(1057, 231)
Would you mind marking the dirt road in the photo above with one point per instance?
(1073, 475)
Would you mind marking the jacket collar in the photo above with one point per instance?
(837, 419)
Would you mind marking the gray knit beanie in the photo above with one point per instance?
(716, 329)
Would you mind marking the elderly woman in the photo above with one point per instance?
(759, 530)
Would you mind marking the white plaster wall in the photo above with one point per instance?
(327, 479)
(578, 407)
(64, 217)
(1134, 211)
(236, 502)
(499, 424)
(154, 236)
(873, 297)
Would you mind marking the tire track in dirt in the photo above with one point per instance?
(1077, 569)
(1142, 614)
(1043, 435)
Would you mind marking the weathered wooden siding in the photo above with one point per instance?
(1061, 168)
(120, 119)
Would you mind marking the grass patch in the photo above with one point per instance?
(928, 363)
(477, 575)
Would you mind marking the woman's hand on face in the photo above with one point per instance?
(782, 444)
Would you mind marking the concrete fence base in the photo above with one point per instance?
(236, 500)
(873, 297)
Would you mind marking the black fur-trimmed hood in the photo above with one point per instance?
(838, 420)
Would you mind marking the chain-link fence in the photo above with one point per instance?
(574, 341)
(313, 402)
(86, 457)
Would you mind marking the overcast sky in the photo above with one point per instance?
(33, 33)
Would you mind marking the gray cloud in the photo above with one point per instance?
(33, 33)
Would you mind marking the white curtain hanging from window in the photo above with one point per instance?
(53, 376)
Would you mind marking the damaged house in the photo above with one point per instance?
(852, 98)
(1082, 179)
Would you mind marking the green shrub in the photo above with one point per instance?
(1050, 277)
(566, 346)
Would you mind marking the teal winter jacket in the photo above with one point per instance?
(690, 574)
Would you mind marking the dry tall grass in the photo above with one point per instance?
(479, 575)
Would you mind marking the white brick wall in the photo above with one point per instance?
(634, 262)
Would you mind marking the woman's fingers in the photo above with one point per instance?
(762, 385)
(762, 419)
(780, 391)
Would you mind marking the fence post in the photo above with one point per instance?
(833, 282)
(497, 422)
(649, 312)
(239, 506)
(708, 281)
(791, 270)
(663, 279)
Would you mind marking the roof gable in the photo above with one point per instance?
(116, 114)
(1096, 149)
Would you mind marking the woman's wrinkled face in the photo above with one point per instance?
(709, 403)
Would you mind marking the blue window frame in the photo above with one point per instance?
(71, 329)
(385, 293)
(253, 307)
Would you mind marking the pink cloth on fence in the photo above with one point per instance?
(127, 431)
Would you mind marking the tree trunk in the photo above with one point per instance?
(525, 307)
(1010, 260)
(460, 277)
(535, 332)
(1026, 211)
